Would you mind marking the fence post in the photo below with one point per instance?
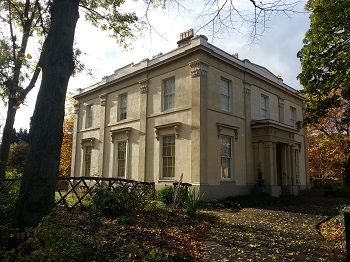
(347, 234)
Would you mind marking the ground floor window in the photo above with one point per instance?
(168, 156)
(226, 156)
(87, 160)
(121, 159)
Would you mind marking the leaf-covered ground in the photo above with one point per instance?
(281, 232)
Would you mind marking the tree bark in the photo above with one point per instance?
(6, 137)
(37, 192)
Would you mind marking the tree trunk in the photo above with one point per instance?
(37, 192)
(6, 137)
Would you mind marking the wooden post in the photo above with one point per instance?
(347, 234)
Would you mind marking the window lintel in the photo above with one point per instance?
(175, 125)
(125, 130)
(87, 142)
(220, 126)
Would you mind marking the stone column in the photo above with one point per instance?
(143, 130)
(256, 162)
(199, 71)
(102, 141)
(268, 162)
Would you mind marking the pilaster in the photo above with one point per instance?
(103, 98)
(199, 155)
(143, 129)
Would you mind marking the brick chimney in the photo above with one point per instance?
(185, 38)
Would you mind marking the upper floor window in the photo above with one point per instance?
(293, 117)
(169, 93)
(123, 102)
(87, 160)
(264, 107)
(168, 156)
(226, 156)
(89, 115)
(225, 95)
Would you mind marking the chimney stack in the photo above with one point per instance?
(185, 38)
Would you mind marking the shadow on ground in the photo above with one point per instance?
(282, 232)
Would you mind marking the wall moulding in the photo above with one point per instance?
(126, 131)
(198, 68)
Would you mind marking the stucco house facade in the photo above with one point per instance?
(196, 111)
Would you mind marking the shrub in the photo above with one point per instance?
(191, 201)
(251, 200)
(155, 206)
(166, 195)
(110, 203)
(157, 256)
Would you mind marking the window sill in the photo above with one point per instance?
(164, 180)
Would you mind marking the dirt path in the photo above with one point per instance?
(278, 233)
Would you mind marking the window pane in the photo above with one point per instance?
(264, 107)
(225, 95)
(121, 158)
(168, 155)
(123, 106)
(226, 156)
(89, 115)
(168, 94)
(87, 157)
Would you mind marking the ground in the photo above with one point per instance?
(286, 231)
(282, 232)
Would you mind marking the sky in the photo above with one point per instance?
(276, 49)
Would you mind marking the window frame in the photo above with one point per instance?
(123, 109)
(166, 165)
(87, 160)
(118, 160)
(225, 98)
(230, 174)
(293, 116)
(89, 116)
(264, 112)
(166, 97)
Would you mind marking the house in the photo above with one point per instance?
(222, 122)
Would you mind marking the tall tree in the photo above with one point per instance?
(40, 175)
(17, 19)
(38, 185)
(325, 59)
(325, 76)
(329, 148)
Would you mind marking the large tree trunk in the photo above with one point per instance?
(6, 137)
(37, 192)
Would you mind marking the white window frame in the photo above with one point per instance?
(228, 158)
(293, 116)
(165, 158)
(89, 115)
(87, 150)
(225, 95)
(168, 94)
(118, 159)
(264, 106)
(123, 106)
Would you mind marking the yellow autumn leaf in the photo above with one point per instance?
(29, 56)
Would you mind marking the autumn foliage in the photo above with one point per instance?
(329, 148)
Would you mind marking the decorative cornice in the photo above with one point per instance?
(220, 126)
(144, 85)
(125, 130)
(175, 125)
(103, 98)
(87, 142)
(198, 68)
(76, 108)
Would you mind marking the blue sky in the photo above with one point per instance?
(276, 49)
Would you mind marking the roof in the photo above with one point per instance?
(196, 41)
